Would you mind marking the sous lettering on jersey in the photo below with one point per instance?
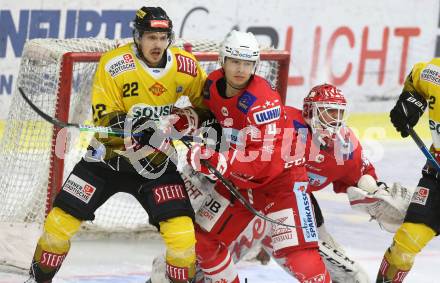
(431, 73)
(150, 111)
(120, 64)
(186, 65)
(79, 188)
(267, 115)
(245, 101)
(211, 210)
(420, 196)
(305, 211)
(283, 236)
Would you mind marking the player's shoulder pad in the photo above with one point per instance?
(185, 61)
(119, 60)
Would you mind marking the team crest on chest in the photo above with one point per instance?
(157, 89)
(245, 101)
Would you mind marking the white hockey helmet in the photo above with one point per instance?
(240, 45)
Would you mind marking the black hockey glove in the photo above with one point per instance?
(142, 131)
(407, 111)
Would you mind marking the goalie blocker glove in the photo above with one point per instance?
(407, 111)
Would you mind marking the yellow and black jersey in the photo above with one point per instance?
(125, 84)
(425, 80)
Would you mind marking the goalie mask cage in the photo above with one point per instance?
(35, 157)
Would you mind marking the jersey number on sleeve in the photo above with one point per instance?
(98, 111)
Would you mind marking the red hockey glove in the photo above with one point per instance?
(184, 120)
(216, 159)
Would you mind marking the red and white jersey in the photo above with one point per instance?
(252, 122)
(341, 164)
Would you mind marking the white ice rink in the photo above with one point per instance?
(130, 261)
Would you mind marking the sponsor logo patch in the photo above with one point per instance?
(283, 236)
(168, 192)
(177, 273)
(431, 74)
(211, 210)
(157, 89)
(159, 24)
(51, 260)
(186, 65)
(315, 179)
(120, 64)
(79, 188)
(305, 210)
(420, 196)
(268, 115)
(245, 101)
(150, 112)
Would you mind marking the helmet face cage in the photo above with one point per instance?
(240, 45)
(324, 110)
(152, 19)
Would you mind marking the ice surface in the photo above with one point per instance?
(130, 260)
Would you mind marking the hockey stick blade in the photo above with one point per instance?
(234, 191)
(81, 127)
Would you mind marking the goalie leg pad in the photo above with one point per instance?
(409, 240)
(425, 204)
(179, 237)
(53, 245)
(341, 267)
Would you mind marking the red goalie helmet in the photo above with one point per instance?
(323, 110)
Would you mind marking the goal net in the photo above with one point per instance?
(35, 157)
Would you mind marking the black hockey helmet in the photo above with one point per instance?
(153, 19)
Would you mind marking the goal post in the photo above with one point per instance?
(35, 157)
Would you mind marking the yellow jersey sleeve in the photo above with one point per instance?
(424, 78)
(106, 95)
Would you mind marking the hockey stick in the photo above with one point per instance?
(88, 128)
(421, 144)
(423, 148)
(234, 191)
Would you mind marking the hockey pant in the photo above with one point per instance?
(221, 219)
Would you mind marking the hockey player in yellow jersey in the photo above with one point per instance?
(134, 85)
(422, 221)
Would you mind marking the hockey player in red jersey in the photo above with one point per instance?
(335, 156)
(253, 121)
